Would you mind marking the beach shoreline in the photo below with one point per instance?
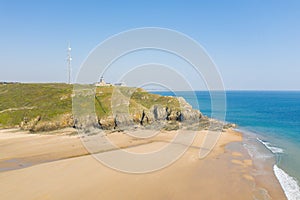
(61, 168)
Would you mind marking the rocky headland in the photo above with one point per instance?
(48, 107)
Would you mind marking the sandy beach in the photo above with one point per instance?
(57, 166)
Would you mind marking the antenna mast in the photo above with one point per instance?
(69, 59)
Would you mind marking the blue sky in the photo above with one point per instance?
(255, 44)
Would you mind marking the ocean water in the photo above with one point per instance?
(270, 122)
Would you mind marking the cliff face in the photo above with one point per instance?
(121, 108)
(156, 115)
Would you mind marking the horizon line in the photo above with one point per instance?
(157, 90)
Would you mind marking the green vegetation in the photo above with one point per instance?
(138, 100)
(27, 101)
(50, 102)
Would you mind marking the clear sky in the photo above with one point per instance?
(255, 44)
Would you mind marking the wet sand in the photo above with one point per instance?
(36, 166)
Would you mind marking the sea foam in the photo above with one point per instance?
(254, 152)
(269, 146)
(288, 184)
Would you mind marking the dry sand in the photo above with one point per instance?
(58, 167)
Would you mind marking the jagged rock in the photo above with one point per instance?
(190, 115)
(46, 126)
(86, 122)
(229, 125)
(123, 120)
(157, 117)
(144, 119)
(183, 104)
(159, 112)
(29, 125)
(37, 124)
(66, 120)
(187, 113)
(107, 123)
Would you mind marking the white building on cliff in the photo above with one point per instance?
(102, 82)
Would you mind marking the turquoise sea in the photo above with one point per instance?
(269, 120)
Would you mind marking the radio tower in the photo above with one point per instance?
(69, 60)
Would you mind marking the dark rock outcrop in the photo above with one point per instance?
(37, 124)
(158, 112)
(156, 117)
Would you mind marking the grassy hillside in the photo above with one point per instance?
(52, 101)
(138, 98)
(27, 101)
